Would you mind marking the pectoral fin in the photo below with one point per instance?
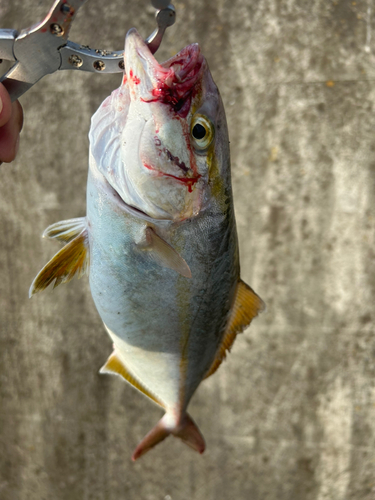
(115, 366)
(164, 254)
(247, 304)
(70, 260)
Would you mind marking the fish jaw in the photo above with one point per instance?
(159, 164)
(162, 165)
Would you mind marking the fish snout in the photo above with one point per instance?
(173, 83)
(142, 69)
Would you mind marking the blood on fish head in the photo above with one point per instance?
(165, 117)
(172, 83)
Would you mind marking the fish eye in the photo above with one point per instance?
(202, 131)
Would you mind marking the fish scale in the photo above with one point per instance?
(159, 241)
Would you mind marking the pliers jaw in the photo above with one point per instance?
(36, 49)
(164, 18)
(44, 48)
(74, 56)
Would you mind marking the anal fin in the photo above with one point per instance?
(115, 366)
(246, 306)
(72, 259)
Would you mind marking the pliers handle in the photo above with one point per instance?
(44, 48)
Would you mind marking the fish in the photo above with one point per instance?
(159, 240)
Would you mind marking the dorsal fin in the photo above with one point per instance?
(72, 259)
(163, 253)
(115, 366)
(247, 304)
(65, 230)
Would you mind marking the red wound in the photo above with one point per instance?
(189, 181)
(177, 80)
(134, 78)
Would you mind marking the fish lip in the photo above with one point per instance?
(184, 179)
(134, 43)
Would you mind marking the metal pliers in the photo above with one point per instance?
(44, 48)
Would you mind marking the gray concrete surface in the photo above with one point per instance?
(291, 413)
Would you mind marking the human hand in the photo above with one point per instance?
(11, 120)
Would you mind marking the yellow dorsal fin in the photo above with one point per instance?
(116, 366)
(70, 260)
(247, 304)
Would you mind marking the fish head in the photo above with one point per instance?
(156, 138)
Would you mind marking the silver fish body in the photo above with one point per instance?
(166, 327)
(159, 239)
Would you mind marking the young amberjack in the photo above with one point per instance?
(159, 239)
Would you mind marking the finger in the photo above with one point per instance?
(9, 134)
(5, 105)
(18, 115)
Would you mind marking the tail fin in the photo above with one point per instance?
(186, 430)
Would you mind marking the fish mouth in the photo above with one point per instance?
(188, 181)
(172, 82)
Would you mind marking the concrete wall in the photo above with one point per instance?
(291, 414)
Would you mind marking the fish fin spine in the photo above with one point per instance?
(114, 365)
(72, 259)
(186, 429)
(65, 230)
(246, 306)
